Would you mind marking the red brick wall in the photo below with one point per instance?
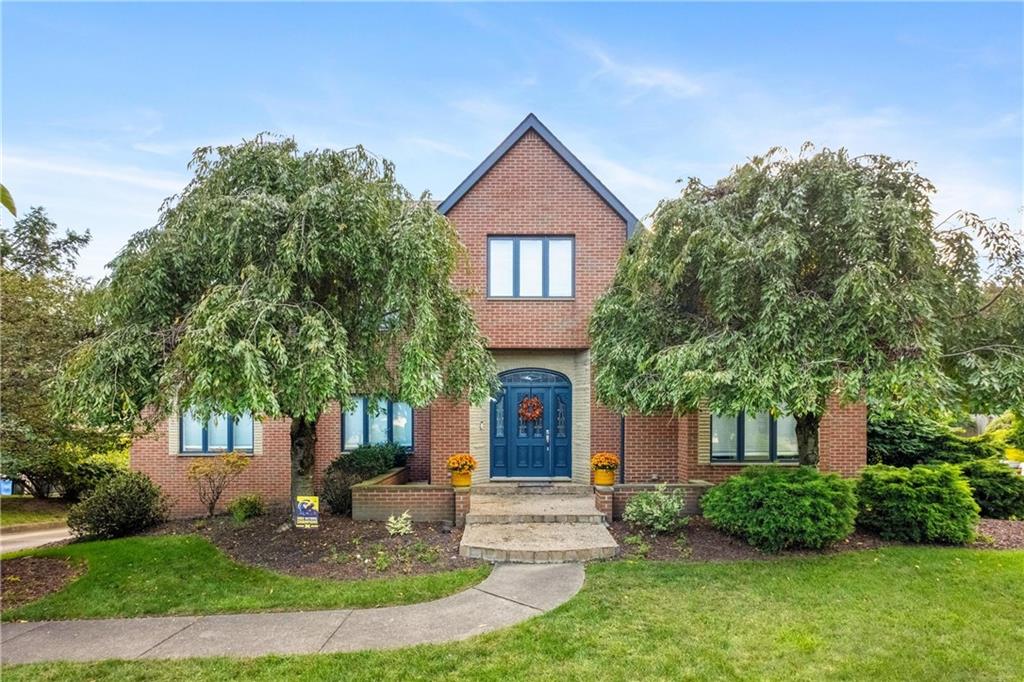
(531, 190)
(328, 441)
(843, 438)
(449, 434)
(651, 449)
(605, 428)
(419, 462)
(269, 473)
(424, 503)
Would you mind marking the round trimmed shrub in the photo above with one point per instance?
(998, 489)
(775, 508)
(925, 503)
(122, 504)
(245, 507)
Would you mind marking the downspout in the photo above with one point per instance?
(622, 448)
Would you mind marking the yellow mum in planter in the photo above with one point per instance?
(462, 466)
(604, 465)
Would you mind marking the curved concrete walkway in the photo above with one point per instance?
(510, 594)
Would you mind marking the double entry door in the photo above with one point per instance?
(540, 447)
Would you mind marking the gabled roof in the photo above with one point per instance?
(533, 123)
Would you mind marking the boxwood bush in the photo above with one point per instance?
(925, 503)
(357, 466)
(245, 507)
(998, 489)
(775, 508)
(123, 504)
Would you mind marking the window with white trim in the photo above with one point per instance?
(754, 438)
(219, 433)
(530, 267)
(371, 422)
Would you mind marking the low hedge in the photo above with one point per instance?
(774, 508)
(925, 503)
(998, 489)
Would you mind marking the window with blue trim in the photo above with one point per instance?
(758, 438)
(220, 433)
(371, 422)
(530, 267)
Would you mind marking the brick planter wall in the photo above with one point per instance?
(390, 495)
(692, 490)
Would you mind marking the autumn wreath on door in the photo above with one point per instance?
(531, 409)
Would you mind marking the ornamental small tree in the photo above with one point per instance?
(277, 282)
(211, 476)
(794, 279)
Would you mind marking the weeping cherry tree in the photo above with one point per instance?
(796, 279)
(277, 282)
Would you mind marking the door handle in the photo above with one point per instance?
(547, 436)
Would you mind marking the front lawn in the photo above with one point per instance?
(18, 510)
(893, 613)
(185, 574)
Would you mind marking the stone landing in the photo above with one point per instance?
(531, 523)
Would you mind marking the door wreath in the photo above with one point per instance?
(531, 408)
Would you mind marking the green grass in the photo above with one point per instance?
(893, 614)
(17, 510)
(185, 574)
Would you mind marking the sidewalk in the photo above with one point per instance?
(36, 537)
(511, 593)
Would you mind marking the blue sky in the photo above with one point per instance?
(103, 103)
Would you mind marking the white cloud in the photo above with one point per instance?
(438, 146)
(120, 174)
(644, 77)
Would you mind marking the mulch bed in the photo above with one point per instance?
(998, 534)
(700, 542)
(28, 578)
(340, 549)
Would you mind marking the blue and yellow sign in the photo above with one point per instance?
(307, 511)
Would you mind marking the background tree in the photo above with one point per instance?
(277, 282)
(792, 280)
(43, 315)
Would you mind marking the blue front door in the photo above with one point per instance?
(535, 448)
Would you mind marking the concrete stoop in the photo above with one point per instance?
(525, 523)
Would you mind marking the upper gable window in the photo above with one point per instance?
(530, 267)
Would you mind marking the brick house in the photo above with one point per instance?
(543, 236)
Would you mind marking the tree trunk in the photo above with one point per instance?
(807, 438)
(303, 447)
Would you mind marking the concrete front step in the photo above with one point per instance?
(537, 543)
(533, 488)
(532, 509)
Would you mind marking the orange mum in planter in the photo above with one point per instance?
(461, 463)
(604, 461)
(604, 465)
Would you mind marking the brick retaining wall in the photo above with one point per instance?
(391, 495)
(622, 493)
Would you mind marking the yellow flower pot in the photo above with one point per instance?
(461, 479)
(604, 477)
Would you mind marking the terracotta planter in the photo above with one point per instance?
(604, 477)
(461, 479)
